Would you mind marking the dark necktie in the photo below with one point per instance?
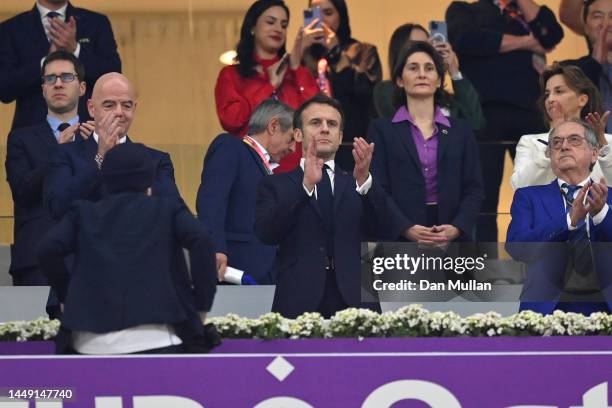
(53, 14)
(325, 199)
(580, 244)
(63, 126)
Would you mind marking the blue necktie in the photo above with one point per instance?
(325, 199)
(579, 241)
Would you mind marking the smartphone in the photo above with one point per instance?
(311, 14)
(283, 62)
(438, 32)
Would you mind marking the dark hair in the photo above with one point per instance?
(441, 97)
(399, 39)
(578, 82)
(61, 55)
(344, 28)
(246, 45)
(318, 98)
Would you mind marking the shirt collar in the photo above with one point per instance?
(44, 11)
(561, 182)
(263, 149)
(402, 115)
(55, 122)
(330, 163)
(122, 140)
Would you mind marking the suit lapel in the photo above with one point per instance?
(553, 202)
(258, 161)
(37, 31)
(45, 135)
(341, 182)
(443, 140)
(404, 132)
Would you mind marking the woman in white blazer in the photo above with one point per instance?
(567, 93)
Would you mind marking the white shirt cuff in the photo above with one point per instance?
(77, 51)
(310, 193)
(599, 217)
(569, 223)
(365, 187)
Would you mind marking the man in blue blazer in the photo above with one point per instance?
(318, 215)
(121, 295)
(233, 168)
(550, 221)
(29, 152)
(28, 37)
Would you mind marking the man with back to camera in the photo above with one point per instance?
(120, 296)
(318, 215)
(50, 25)
(568, 217)
(75, 173)
(29, 152)
(233, 168)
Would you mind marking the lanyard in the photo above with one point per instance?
(249, 141)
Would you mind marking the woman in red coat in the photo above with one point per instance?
(262, 73)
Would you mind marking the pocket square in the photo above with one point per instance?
(83, 40)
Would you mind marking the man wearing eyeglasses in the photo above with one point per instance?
(558, 229)
(51, 25)
(29, 151)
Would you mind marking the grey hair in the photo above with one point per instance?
(589, 132)
(266, 111)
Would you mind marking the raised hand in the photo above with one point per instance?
(597, 197)
(579, 208)
(599, 123)
(86, 129)
(63, 34)
(600, 45)
(67, 135)
(450, 58)
(362, 153)
(277, 75)
(313, 166)
(331, 39)
(108, 131)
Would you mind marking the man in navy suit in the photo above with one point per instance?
(233, 168)
(75, 171)
(51, 25)
(29, 152)
(553, 224)
(120, 296)
(318, 215)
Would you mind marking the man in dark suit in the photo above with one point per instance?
(318, 215)
(233, 168)
(559, 222)
(29, 152)
(120, 296)
(75, 171)
(502, 47)
(51, 25)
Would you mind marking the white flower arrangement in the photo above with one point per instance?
(409, 321)
(39, 329)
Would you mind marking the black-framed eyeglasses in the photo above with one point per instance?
(574, 140)
(66, 77)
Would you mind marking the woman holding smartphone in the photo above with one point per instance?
(567, 93)
(428, 163)
(346, 69)
(464, 103)
(263, 71)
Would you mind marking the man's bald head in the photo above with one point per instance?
(113, 94)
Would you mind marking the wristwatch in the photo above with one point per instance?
(604, 150)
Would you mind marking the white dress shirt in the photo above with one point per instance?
(331, 170)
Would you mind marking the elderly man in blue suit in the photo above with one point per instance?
(233, 168)
(51, 25)
(566, 221)
(318, 215)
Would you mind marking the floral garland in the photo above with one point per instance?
(409, 321)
